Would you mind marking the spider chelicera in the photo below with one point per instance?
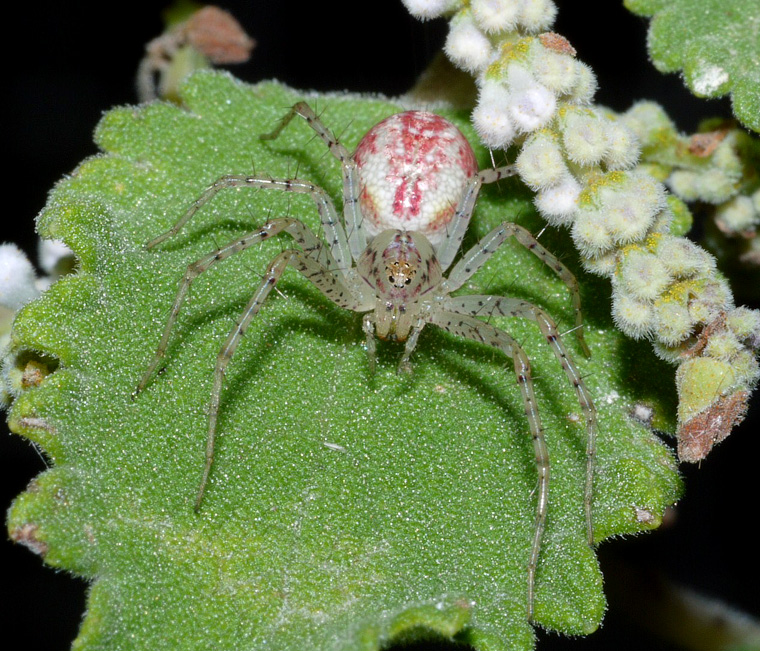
(409, 191)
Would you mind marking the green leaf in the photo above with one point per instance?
(344, 509)
(715, 42)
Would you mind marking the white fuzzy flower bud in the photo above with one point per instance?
(491, 116)
(585, 85)
(663, 222)
(726, 157)
(737, 216)
(537, 15)
(555, 70)
(590, 233)
(646, 120)
(495, 15)
(603, 265)
(643, 275)
(712, 185)
(531, 105)
(466, 46)
(684, 259)
(673, 323)
(745, 324)
(17, 278)
(584, 136)
(709, 299)
(558, 203)
(723, 345)
(51, 254)
(755, 196)
(621, 209)
(633, 317)
(540, 163)
(427, 9)
(632, 207)
(623, 149)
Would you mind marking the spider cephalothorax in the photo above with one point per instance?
(409, 191)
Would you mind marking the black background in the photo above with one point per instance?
(66, 63)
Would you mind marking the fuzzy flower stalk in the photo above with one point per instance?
(581, 160)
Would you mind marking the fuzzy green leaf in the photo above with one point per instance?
(344, 509)
(715, 42)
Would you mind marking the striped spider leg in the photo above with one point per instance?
(409, 191)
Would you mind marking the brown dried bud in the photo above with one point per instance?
(216, 34)
(698, 435)
(704, 144)
(556, 42)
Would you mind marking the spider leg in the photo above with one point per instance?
(448, 248)
(472, 328)
(324, 279)
(311, 245)
(486, 306)
(479, 254)
(368, 325)
(357, 238)
(405, 365)
(334, 233)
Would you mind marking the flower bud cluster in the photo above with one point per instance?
(713, 166)
(583, 162)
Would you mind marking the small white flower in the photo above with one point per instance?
(427, 9)
(50, 253)
(634, 318)
(553, 69)
(532, 108)
(623, 149)
(537, 15)
(584, 136)
(540, 162)
(737, 215)
(531, 105)
(495, 15)
(17, 278)
(558, 204)
(643, 275)
(673, 323)
(466, 46)
(585, 85)
(491, 116)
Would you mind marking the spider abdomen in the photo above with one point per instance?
(413, 168)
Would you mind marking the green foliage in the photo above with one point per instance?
(715, 42)
(344, 509)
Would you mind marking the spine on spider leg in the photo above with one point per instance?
(582, 161)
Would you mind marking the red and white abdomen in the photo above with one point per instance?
(413, 168)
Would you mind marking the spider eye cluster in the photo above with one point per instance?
(400, 273)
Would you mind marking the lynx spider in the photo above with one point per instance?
(409, 191)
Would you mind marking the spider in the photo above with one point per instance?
(409, 191)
